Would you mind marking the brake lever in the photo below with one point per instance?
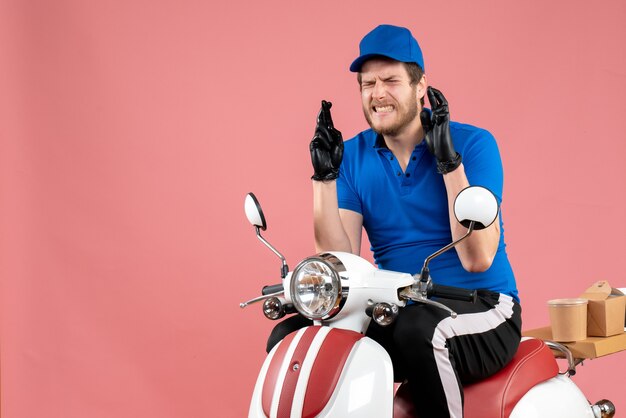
(260, 298)
(411, 293)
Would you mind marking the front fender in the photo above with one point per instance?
(325, 372)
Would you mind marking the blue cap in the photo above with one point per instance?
(389, 41)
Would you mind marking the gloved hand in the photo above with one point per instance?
(437, 132)
(326, 146)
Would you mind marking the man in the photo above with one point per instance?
(398, 180)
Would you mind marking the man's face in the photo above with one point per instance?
(390, 102)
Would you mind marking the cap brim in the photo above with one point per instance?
(356, 65)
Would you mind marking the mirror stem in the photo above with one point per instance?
(284, 269)
(425, 274)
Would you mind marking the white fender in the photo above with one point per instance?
(365, 388)
(557, 397)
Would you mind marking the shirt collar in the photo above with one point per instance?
(380, 142)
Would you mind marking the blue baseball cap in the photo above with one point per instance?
(389, 41)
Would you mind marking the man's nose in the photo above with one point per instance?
(379, 89)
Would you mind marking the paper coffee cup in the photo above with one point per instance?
(568, 319)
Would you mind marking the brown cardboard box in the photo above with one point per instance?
(605, 311)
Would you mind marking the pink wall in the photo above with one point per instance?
(131, 131)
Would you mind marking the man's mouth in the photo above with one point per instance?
(383, 109)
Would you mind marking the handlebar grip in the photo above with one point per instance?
(273, 288)
(449, 292)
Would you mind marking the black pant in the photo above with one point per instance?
(436, 353)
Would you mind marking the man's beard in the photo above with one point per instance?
(406, 115)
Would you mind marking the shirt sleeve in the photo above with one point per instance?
(482, 162)
(347, 196)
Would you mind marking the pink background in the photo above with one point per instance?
(131, 131)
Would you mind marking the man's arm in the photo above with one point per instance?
(335, 229)
(478, 251)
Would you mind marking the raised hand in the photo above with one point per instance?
(326, 146)
(437, 132)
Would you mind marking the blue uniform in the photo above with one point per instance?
(405, 213)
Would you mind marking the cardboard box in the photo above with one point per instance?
(605, 311)
(589, 348)
(623, 290)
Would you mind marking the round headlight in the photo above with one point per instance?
(316, 289)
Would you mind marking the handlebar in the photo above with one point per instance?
(449, 292)
(273, 288)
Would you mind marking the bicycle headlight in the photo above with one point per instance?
(316, 288)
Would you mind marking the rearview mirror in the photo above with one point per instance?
(255, 216)
(254, 213)
(476, 204)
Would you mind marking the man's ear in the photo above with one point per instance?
(420, 90)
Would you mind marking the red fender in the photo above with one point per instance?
(325, 372)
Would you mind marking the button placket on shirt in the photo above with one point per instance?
(405, 178)
(408, 178)
(392, 163)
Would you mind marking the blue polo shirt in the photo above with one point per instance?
(405, 213)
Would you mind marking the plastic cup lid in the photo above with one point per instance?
(567, 302)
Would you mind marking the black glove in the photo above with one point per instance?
(326, 146)
(437, 132)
